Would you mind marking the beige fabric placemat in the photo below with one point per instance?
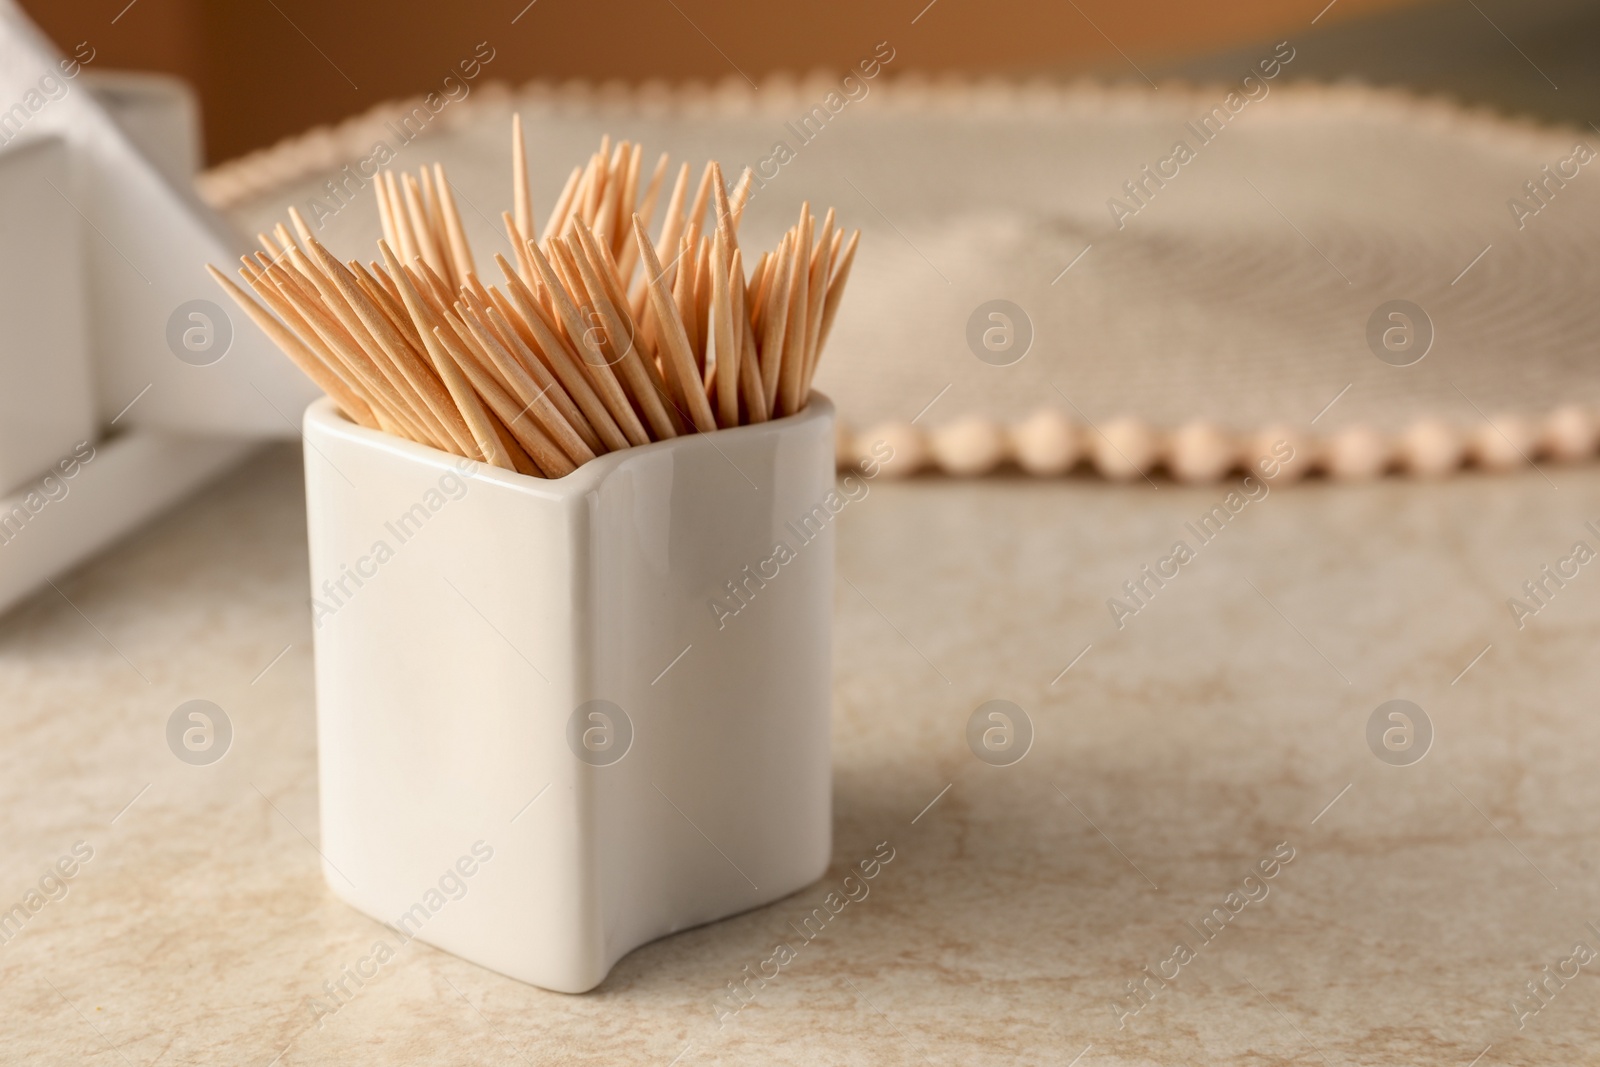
(1235, 292)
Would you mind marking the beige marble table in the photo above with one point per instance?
(1223, 727)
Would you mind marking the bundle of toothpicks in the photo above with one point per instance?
(599, 339)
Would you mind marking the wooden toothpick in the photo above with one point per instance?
(573, 356)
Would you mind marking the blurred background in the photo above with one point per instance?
(349, 56)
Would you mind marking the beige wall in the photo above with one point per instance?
(269, 68)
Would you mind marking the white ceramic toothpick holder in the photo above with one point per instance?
(558, 719)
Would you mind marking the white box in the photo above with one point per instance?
(46, 395)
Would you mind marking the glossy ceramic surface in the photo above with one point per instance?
(560, 718)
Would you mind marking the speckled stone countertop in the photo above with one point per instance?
(1201, 777)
